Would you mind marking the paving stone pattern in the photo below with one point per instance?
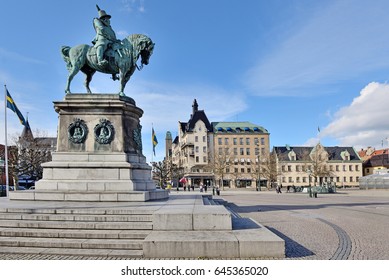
(352, 224)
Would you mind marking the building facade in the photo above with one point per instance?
(374, 161)
(217, 153)
(304, 166)
(243, 144)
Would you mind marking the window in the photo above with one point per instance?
(197, 159)
(298, 179)
(241, 151)
(225, 141)
(197, 149)
(227, 170)
(247, 141)
(204, 149)
(235, 151)
(304, 179)
(248, 170)
(344, 167)
(356, 167)
(297, 168)
(242, 170)
(220, 151)
(204, 139)
(236, 170)
(289, 168)
(196, 139)
(351, 179)
(331, 168)
(256, 151)
(290, 179)
(204, 159)
(241, 141)
(337, 168)
(219, 141)
(256, 141)
(350, 168)
(248, 151)
(262, 141)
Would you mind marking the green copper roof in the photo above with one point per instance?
(237, 127)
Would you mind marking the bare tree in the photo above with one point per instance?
(266, 167)
(28, 155)
(218, 163)
(317, 163)
(161, 172)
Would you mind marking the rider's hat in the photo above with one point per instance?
(102, 13)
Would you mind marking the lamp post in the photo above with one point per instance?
(258, 167)
(309, 182)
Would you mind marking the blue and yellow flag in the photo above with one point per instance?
(154, 140)
(11, 105)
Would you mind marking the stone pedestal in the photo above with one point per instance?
(99, 153)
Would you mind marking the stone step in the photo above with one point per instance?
(73, 252)
(76, 224)
(74, 217)
(117, 244)
(71, 233)
(79, 211)
(86, 196)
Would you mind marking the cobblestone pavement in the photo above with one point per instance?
(351, 224)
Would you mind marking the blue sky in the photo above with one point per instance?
(290, 66)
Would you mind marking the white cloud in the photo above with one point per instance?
(337, 43)
(364, 122)
(134, 5)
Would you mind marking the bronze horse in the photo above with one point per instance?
(122, 58)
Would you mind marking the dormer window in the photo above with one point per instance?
(345, 155)
(292, 156)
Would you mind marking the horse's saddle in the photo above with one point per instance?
(109, 55)
(109, 52)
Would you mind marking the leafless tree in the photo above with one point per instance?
(266, 167)
(219, 161)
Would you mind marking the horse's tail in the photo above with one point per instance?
(65, 55)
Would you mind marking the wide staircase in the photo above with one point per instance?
(92, 232)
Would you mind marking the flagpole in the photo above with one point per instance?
(152, 143)
(6, 142)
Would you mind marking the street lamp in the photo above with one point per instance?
(258, 167)
(309, 182)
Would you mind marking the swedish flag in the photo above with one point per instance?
(11, 105)
(154, 140)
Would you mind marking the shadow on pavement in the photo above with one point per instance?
(292, 248)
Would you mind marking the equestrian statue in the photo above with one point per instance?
(107, 55)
